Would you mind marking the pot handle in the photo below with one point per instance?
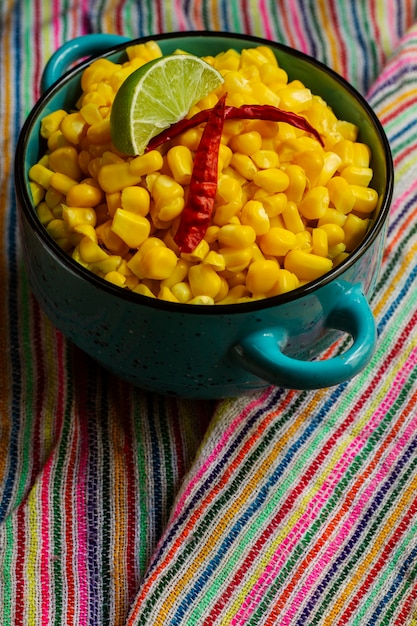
(261, 352)
(75, 50)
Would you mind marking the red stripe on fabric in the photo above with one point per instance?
(20, 587)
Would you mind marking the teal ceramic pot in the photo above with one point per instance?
(208, 351)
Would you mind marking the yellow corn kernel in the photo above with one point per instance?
(361, 154)
(304, 241)
(84, 158)
(109, 157)
(74, 216)
(225, 156)
(216, 260)
(203, 299)
(144, 290)
(190, 138)
(262, 275)
(355, 229)
(294, 98)
(286, 281)
(158, 262)
(331, 163)
(86, 230)
(65, 161)
(236, 259)
(57, 140)
(315, 203)
(41, 175)
(204, 280)
(112, 242)
(73, 127)
(348, 130)
(212, 233)
(254, 214)
(165, 189)
(99, 132)
(62, 182)
(344, 149)
(357, 175)
(170, 210)
(274, 204)
(223, 291)
(243, 165)
(96, 72)
(264, 94)
(335, 233)
(246, 143)
(90, 251)
(340, 194)
(166, 294)
(132, 228)
(312, 162)
(235, 294)
(134, 263)
(338, 259)
(135, 199)
(332, 216)
(178, 274)
(225, 212)
(109, 264)
(292, 218)
(182, 292)
(228, 60)
(236, 235)
(180, 161)
(116, 176)
(270, 73)
(229, 189)
(265, 159)
(91, 112)
(336, 250)
(44, 213)
(147, 163)
(198, 254)
(306, 266)
(113, 201)
(116, 278)
(298, 182)
(144, 51)
(320, 245)
(53, 197)
(277, 241)
(273, 180)
(51, 123)
(85, 194)
(366, 199)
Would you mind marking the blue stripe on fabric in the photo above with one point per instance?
(13, 283)
(393, 306)
(253, 508)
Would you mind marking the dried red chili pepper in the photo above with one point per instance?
(247, 111)
(195, 217)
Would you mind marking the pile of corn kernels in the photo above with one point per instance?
(287, 209)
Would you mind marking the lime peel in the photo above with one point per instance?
(157, 95)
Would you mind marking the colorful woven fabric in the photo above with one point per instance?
(119, 507)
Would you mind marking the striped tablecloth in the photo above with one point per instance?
(285, 507)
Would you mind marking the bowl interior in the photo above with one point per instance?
(345, 101)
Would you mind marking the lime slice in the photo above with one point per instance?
(156, 95)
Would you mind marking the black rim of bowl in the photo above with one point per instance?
(26, 204)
